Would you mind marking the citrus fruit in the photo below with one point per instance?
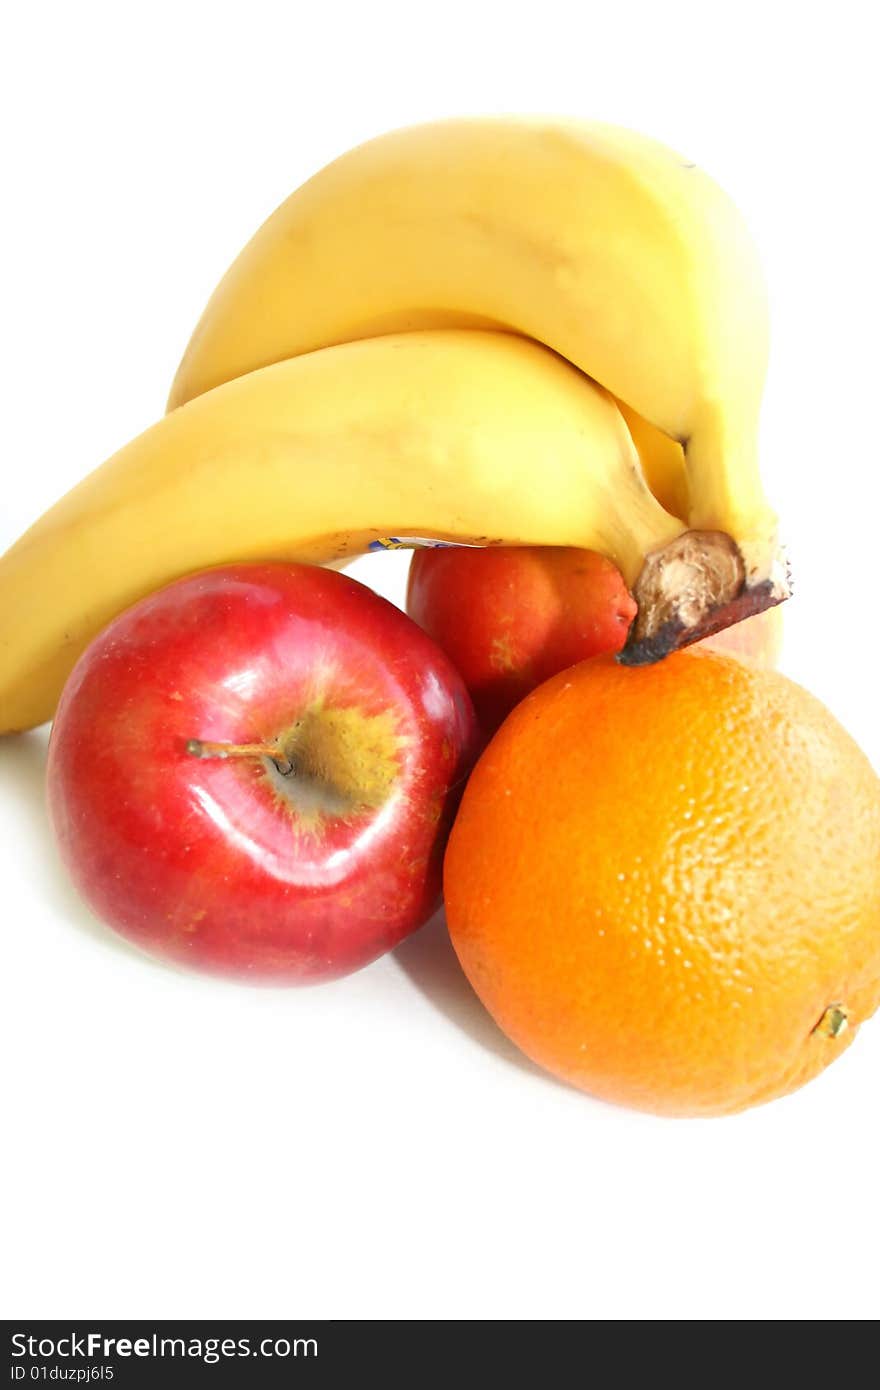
(664, 883)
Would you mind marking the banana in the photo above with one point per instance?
(662, 461)
(608, 247)
(477, 437)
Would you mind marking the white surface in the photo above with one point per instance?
(179, 1147)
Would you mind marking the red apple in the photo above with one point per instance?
(253, 772)
(509, 618)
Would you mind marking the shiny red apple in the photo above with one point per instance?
(512, 617)
(254, 770)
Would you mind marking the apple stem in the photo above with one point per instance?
(201, 749)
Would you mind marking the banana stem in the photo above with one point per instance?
(692, 587)
(198, 748)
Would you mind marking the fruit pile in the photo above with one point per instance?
(535, 350)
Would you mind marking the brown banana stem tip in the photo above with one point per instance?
(692, 587)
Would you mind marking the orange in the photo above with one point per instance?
(664, 883)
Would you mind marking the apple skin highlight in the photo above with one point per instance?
(285, 870)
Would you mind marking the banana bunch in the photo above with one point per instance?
(454, 332)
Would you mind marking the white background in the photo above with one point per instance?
(182, 1147)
